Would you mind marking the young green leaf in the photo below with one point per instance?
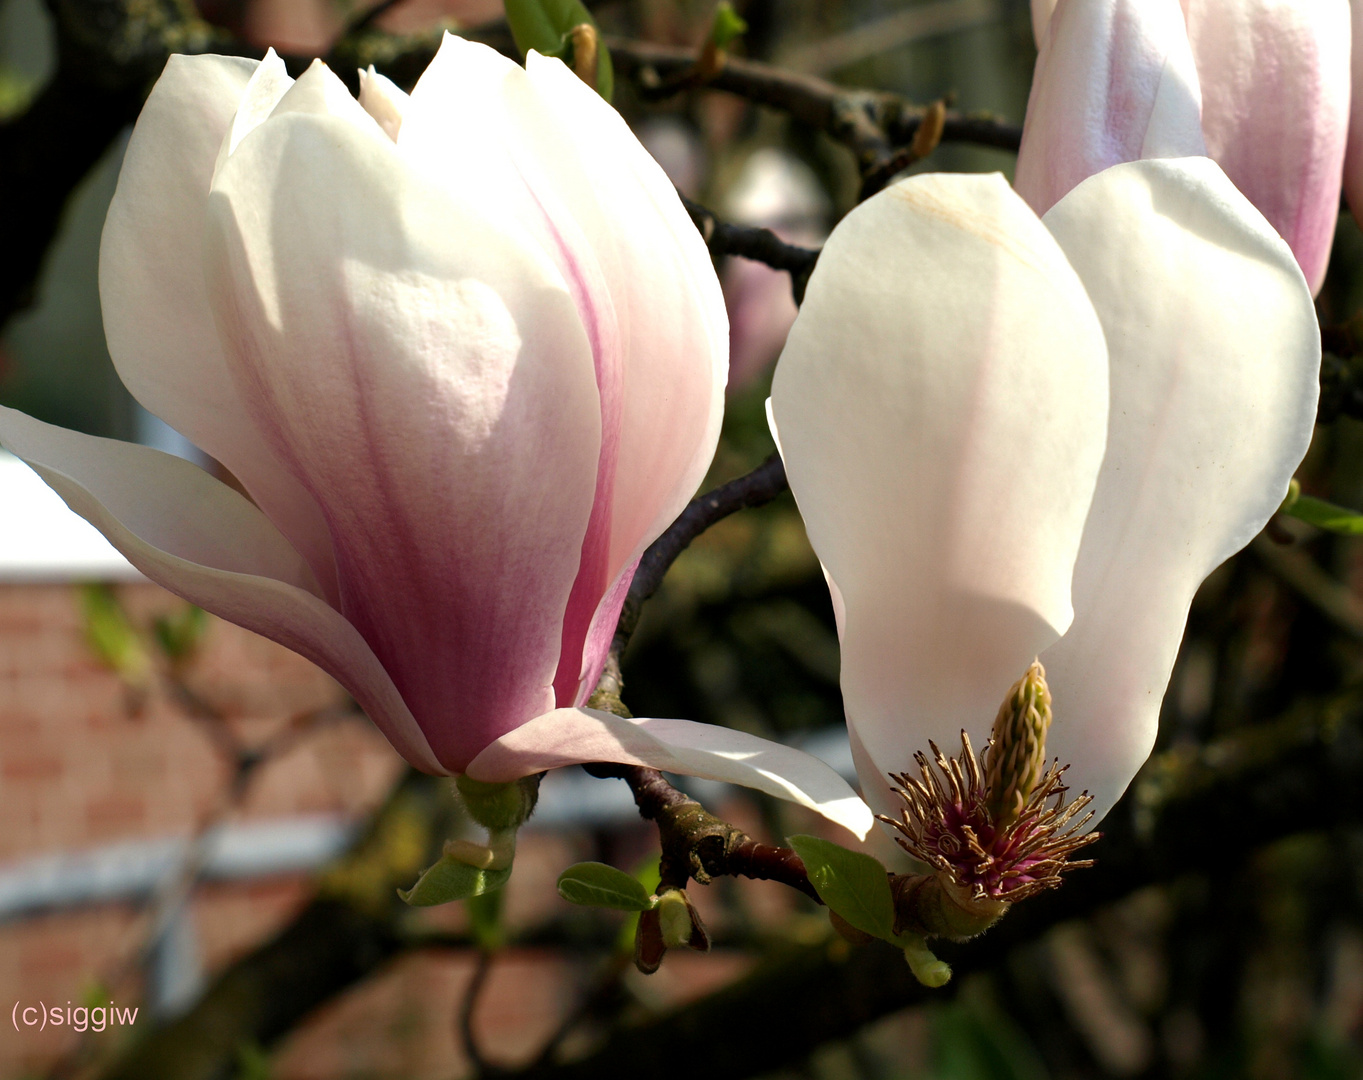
(594, 884)
(450, 879)
(545, 25)
(727, 25)
(850, 883)
(1324, 515)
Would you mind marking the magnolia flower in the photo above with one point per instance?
(1274, 97)
(1115, 81)
(1014, 438)
(464, 351)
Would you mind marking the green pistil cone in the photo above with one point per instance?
(1017, 754)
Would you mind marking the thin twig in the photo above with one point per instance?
(760, 486)
(696, 844)
(755, 243)
(872, 124)
(466, 1010)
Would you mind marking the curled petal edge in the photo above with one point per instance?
(280, 610)
(576, 736)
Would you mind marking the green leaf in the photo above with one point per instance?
(852, 884)
(594, 884)
(544, 25)
(1324, 515)
(727, 25)
(648, 874)
(450, 879)
(112, 636)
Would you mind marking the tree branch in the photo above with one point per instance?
(872, 124)
(696, 844)
(760, 486)
(1202, 810)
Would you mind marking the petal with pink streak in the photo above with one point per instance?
(1215, 365)
(565, 163)
(1115, 81)
(942, 423)
(423, 371)
(668, 305)
(575, 736)
(204, 542)
(1275, 110)
(157, 317)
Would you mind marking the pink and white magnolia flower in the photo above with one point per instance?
(465, 352)
(1061, 426)
(1272, 78)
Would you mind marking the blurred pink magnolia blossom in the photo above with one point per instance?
(776, 191)
(1118, 80)
(466, 353)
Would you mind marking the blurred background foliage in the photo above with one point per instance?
(1250, 969)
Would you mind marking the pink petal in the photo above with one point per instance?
(422, 370)
(1275, 110)
(1115, 81)
(563, 163)
(573, 736)
(156, 312)
(204, 542)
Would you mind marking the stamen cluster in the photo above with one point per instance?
(948, 824)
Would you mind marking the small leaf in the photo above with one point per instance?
(450, 879)
(1324, 515)
(594, 884)
(850, 883)
(545, 25)
(727, 25)
(112, 636)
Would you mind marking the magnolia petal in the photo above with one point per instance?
(382, 99)
(575, 736)
(1215, 356)
(1041, 18)
(457, 461)
(565, 165)
(319, 92)
(942, 440)
(670, 312)
(204, 542)
(1275, 110)
(1115, 81)
(269, 82)
(157, 317)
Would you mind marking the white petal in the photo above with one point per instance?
(574, 736)
(204, 542)
(1215, 359)
(269, 82)
(382, 99)
(157, 317)
(942, 406)
(319, 92)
